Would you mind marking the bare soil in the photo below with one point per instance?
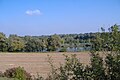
(37, 62)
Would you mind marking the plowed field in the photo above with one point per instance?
(36, 62)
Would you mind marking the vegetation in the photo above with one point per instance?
(100, 68)
(62, 43)
(18, 73)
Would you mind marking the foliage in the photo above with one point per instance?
(108, 41)
(96, 70)
(16, 44)
(54, 42)
(113, 67)
(38, 77)
(105, 67)
(3, 43)
(71, 70)
(17, 72)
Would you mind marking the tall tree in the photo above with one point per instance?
(16, 44)
(54, 42)
(3, 42)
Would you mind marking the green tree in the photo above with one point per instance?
(108, 41)
(16, 44)
(108, 44)
(31, 45)
(54, 42)
(35, 44)
(3, 42)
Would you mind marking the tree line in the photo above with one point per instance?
(61, 42)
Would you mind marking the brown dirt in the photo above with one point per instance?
(36, 62)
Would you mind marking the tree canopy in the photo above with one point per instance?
(62, 42)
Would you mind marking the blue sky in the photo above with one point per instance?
(45, 17)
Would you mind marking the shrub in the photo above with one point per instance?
(96, 68)
(38, 77)
(17, 72)
(71, 70)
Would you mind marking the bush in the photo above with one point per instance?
(17, 72)
(99, 68)
(71, 70)
(38, 77)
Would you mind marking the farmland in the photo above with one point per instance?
(37, 62)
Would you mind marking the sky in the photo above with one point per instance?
(46, 17)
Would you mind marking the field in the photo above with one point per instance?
(36, 62)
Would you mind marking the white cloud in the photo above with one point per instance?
(33, 12)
